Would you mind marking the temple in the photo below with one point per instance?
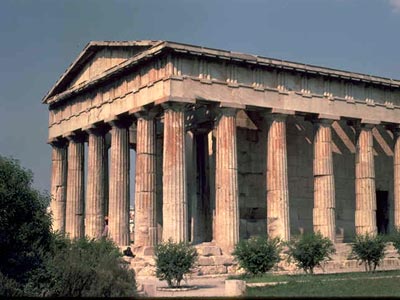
(227, 146)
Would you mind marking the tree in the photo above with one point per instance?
(173, 261)
(310, 250)
(25, 225)
(369, 249)
(34, 261)
(257, 255)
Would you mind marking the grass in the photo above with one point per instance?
(378, 284)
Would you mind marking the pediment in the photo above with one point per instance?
(95, 59)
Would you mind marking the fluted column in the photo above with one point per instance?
(226, 181)
(118, 211)
(95, 192)
(365, 215)
(74, 225)
(175, 208)
(277, 179)
(145, 187)
(58, 185)
(324, 181)
(396, 179)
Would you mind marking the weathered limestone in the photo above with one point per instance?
(277, 179)
(226, 182)
(175, 225)
(58, 185)
(95, 193)
(74, 225)
(396, 162)
(324, 181)
(365, 214)
(118, 214)
(145, 189)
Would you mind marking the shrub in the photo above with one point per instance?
(369, 250)
(257, 255)
(310, 250)
(173, 261)
(395, 239)
(84, 268)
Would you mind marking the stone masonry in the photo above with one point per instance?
(227, 146)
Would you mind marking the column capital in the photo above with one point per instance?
(97, 129)
(175, 106)
(58, 142)
(119, 122)
(75, 136)
(227, 111)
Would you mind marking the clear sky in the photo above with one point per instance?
(39, 39)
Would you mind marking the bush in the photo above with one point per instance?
(395, 239)
(84, 268)
(257, 255)
(310, 250)
(369, 250)
(173, 261)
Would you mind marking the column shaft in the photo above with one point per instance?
(226, 182)
(74, 225)
(118, 211)
(95, 192)
(175, 208)
(277, 179)
(58, 186)
(324, 181)
(365, 215)
(396, 179)
(145, 189)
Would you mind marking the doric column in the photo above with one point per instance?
(58, 185)
(324, 181)
(74, 225)
(118, 211)
(95, 192)
(226, 181)
(396, 179)
(277, 179)
(175, 208)
(365, 215)
(145, 188)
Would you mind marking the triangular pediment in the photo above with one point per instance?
(95, 59)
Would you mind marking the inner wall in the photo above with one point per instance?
(251, 147)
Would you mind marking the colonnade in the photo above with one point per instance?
(68, 180)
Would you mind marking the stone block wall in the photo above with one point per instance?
(251, 147)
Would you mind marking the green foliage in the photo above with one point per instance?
(257, 255)
(310, 250)
(395, 239)
(369, 250)
(25, 225)
(34, 261)
(84, 268)
(173, 261)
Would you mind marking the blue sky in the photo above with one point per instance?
(39, 39)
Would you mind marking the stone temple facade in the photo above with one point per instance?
(228, 145)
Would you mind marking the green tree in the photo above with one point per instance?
(310, 250)
(257, 255)
(173, 261)
(25, 225)
(369, 249)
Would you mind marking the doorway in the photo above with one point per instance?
(382, 211)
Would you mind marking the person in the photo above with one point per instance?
(105, 230)
(128, 252)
